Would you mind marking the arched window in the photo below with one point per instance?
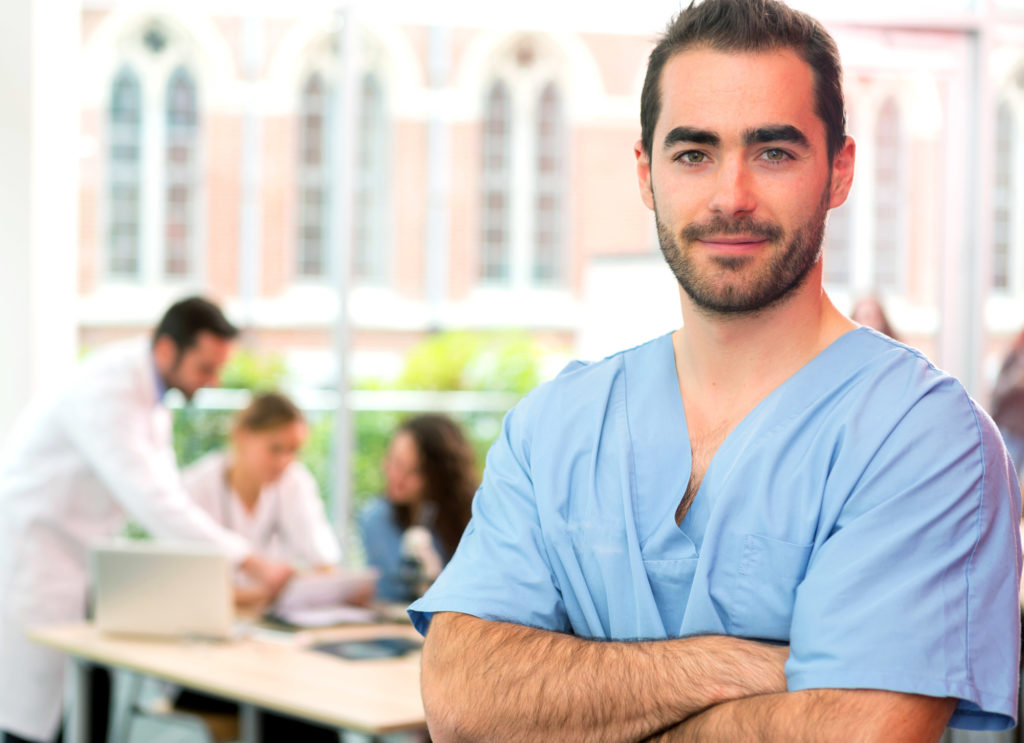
(125, 175)
(548, 261)
(151, 212)
(370, 255)
(1004, 199)
(181, 175)
(889, 198)
(313, 180)
(495, 240)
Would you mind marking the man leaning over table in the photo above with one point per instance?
(77, 464)
(771, 524)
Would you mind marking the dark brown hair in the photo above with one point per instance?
(448, 468)
(186, 319)
(750, 26)
(876, 304)
(267, 412)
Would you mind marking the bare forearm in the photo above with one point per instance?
(494, 681)
(818, 716)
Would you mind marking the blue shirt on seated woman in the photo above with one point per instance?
(411, 530)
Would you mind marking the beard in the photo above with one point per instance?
(736, 289)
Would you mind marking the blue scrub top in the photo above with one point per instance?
(865, 512)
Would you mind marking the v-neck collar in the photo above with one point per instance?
(659, 434)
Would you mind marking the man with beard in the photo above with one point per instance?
(76, 465)
(771, 524)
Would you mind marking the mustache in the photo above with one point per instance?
(741, 226)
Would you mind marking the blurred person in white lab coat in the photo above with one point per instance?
(77, 465)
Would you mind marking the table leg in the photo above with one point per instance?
(81, 704)
(126, 687)
(249, 724)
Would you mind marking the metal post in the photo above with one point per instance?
(250, 727)
(251, 237)
(342, 123)
(438, 175)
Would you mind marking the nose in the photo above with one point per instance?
(732, 193)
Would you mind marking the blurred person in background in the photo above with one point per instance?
(868, 311)
(413, 529)
(78, 465)
(259, 490)
(1007, 404)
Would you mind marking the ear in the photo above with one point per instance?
(842, 173)
(643, 174)
(165, 353)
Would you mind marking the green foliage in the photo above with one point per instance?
(498, 362)
(373, 431)
(198, 431)
(254, 371)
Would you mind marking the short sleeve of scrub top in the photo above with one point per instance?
(910, 589)
(504, 534)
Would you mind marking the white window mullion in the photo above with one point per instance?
(523, 185)
(152, 202)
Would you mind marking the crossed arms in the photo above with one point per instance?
(485, 680)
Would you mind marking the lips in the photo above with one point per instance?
(733, 243)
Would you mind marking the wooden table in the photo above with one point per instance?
(262, 671)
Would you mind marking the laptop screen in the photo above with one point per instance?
(162, 589)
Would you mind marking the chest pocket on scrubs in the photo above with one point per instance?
(758, 591)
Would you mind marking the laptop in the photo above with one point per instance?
(162, 589)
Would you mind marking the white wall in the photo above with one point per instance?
(38, 197)
(627, 300)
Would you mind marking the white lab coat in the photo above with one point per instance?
(288, 523)
(75, 466)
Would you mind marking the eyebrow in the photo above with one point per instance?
(760, 135)
(781, 133)
(691, 135)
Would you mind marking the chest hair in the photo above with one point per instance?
(704, 442)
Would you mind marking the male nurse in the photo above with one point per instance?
(771, 524)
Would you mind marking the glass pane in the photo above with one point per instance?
(1003, 198)
(495, 244)
(889, 197)
(124, 174)
(548, 257)
(181, 174)
(312, 178)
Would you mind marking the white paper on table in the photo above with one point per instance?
(328, 590)
(327, 616)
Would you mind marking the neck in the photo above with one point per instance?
(244, 485)
(736, 356)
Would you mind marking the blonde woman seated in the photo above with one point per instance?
(260, 490)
